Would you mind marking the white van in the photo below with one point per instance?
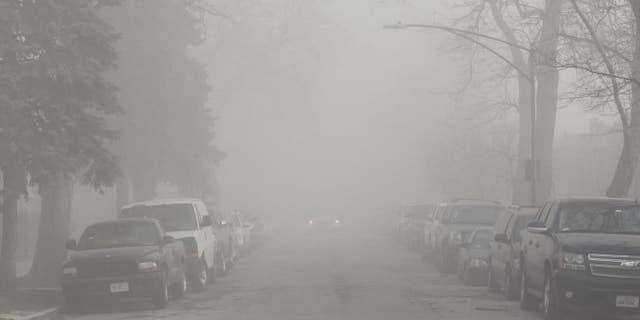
(187, 220)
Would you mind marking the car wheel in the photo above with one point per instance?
(72, 306)
(492, 285)
(510, 287)
(551, 304)
(527, 301)
(200, 280)
(466, 277)
(179, 289)
(161, 297)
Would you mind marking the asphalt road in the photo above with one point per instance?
(350, 274)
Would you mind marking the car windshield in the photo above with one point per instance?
(173, 217)
(481, 215)
(599, 219)
(120, 234)
(419, 212)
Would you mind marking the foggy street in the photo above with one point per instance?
(335, 275)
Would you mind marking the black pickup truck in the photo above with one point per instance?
(122, 260)
(583, 255)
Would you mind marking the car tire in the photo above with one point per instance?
(200, 280)
(510, 287)
(466, 277)
(527, 301)
(72, 306)
(492, 285)
(160, 298)
(179, 289)
(551, 304)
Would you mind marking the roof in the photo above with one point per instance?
(598, 200)
(475, 202)
(122, 221)
(159, 202)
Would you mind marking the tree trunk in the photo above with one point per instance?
(521, 187)
(623, 176)
(56, 194)
(628, 162)
(123, 193)
(14, 184)
(548, 79)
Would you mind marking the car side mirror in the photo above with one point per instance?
(71, 244)
(501, 237)
(206, 221)
(168, 239)
(537, 227)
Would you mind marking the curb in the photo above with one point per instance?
(47, 314)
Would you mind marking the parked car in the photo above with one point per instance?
(457, 218)
(242, 231)
(412, 221)
(583, 255)
(124, 259)
(226, 250)
(473, 255)
(506, 247)
(187, 220)
(431, 223)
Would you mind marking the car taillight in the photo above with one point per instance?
(148, 266)
(70, 272)
(191, 247)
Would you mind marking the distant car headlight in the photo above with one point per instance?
(148, 266)
(70, 272)
(478, 263)
(337, 221)
(310, 221)
(572, 261)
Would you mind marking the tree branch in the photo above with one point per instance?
(608, 64)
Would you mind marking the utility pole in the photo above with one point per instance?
(531, 166)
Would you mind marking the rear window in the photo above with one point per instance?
(420, 212)
(119, 234)
(478, 215)
(173, 217)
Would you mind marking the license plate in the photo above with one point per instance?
(119, 287)
(627, 301)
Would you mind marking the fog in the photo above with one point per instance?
(334, 117)
(316, 159)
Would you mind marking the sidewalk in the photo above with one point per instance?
(30, 304)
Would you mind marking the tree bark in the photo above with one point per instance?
(14, 184)
(123, 193)
(548, 79)
(628, 162)
(56, 194)
(521, 188)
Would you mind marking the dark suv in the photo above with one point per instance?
(456, 219)
(583, 255)
(505, 247)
